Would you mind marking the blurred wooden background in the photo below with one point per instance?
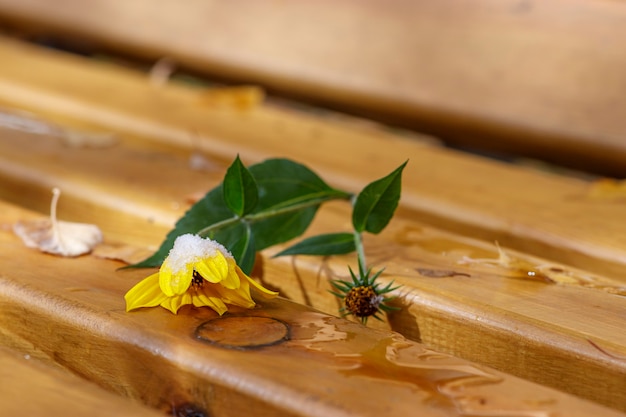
(353, 89)
(543, 79)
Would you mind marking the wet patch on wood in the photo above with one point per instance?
(243, 332)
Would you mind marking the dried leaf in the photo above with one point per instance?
(58, 237)
(440, 273)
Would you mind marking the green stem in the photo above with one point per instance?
(358, 245)
(252, 218)
(216, 226)
(360, 253)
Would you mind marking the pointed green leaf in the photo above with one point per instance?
(284, 183)
(328, 244)
(375, 205)
(274, 230)
(289, 196)
(240, 190)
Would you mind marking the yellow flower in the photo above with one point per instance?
(196, 271)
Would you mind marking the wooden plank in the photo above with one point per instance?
(530, 325)
(545, 215)
(138, 200)
(536, 77)
(73, 310)
(31, 389)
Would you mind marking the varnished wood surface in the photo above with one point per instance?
(32, 389)
(566, 334)
(546, 326)
(542, 78)
(73, 310)
(547, 215)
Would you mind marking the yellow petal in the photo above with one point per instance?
(232, 280)
(214, 269)
(176, 302)
(147, 293)
(239, 297)
(264, 292)
(175, 283)
(205, 297)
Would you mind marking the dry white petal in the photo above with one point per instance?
(72, 239)
(58, 237)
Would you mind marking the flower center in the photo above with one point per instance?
(362, 301)
(197, 281)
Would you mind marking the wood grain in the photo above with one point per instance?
(546, 215)
(136, 189)
(73, 310)
(530, 320)
(541, 78)
(31, 389)
(489, 313)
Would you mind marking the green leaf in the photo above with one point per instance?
(289, 195)
(375, 205)
(281, 228)
(328, 244)
(284, 183)
(240, 190)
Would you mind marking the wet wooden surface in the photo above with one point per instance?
(309, 363)
(554, 216)
(541, 78)
(29, 388)
(561, 327)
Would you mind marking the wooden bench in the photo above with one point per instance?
(552, 344)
